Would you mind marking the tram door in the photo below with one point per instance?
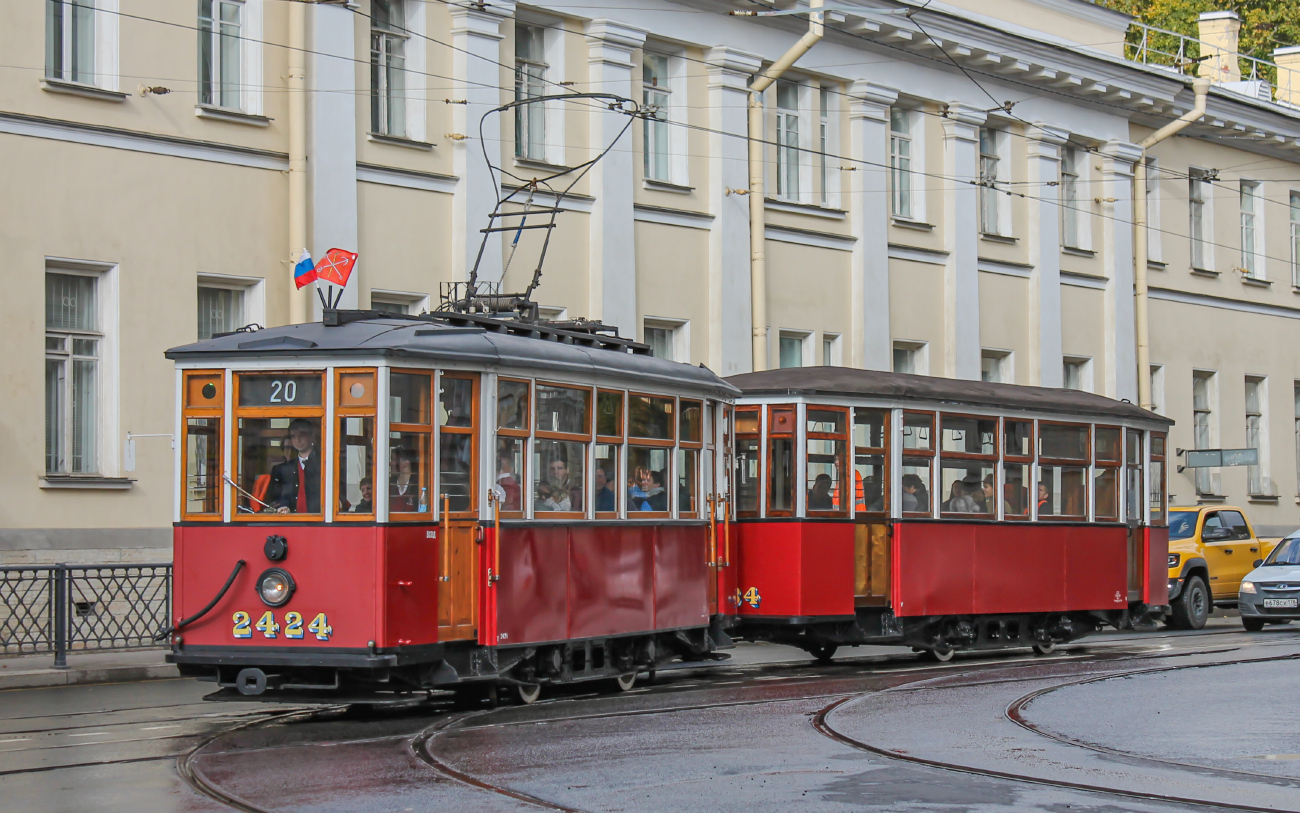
(458, 428)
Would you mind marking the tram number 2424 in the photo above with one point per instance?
(293, 628)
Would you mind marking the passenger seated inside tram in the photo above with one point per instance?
(954, 494)
(508, 479)
(915, 495)
(604, 496)
(636, 494)
(657, 495)
(1044, 499)
(285, 491)
(366, 505)
(966, 497)
(819, 496)
(989, 491)
(404, 482)
(558, 492)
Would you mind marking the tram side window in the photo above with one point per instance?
(1063, 471)
(690, 439)
(605, 486)
(1158, 495)
(747, 449)
(563, 427)
(513, 411)
(918, 454)
(457, 415)
(278, 447)
(780, 460)
(870, 481)
(1132, 475)
(355, 444)
(1018, 454)
(968, 458)
(202, 482)
(1105, 482)
(410, 435)
(826, 442)
(646, 468)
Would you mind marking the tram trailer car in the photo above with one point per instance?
(376, 503)
(941, 514)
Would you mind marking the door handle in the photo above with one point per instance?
(1227, 550)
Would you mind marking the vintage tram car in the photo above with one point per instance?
(378, 504)
(943, 514)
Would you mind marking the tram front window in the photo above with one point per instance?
(276, 455)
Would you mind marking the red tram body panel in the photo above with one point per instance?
(795, 569)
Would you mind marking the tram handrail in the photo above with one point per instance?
(495, 500)
(444, 574)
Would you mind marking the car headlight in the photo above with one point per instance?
(1248, 587)
(1174, 559)
(275, 587)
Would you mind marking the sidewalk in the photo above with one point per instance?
(31, 671)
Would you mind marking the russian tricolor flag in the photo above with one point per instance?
(304, 273)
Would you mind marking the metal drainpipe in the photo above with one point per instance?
(757, 238)
(1201, 87)
(297, 153)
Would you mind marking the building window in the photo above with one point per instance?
(787, 140)
(990, 175)
(221, 310)
(911, 358)
(1257, 482)
(73, 341)
(1078, 374)
(398, 302)
(1296, 391)
(792, 349)
(1252, 230)
(1158, 389)
(1071, 199)
(668, 338)
(1198, 227)
(995, 367)
(388, 35)
(830, 350)
(823, 149)
(657, 95)
(530, 82)
(660, 340)
(1154, 231)
(1295, 239)
(220, 53)
(1203, 401)
(70, 40)
(900, 162)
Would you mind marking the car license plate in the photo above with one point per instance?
(1280, 603)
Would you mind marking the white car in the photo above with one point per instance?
(1270, 594)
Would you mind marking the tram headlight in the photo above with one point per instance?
(275, 587)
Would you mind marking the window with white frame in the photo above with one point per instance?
(70, 41)
(388, 39)
(1295, 239)
(1257, 483)
(830, 350)
(530, 82)
(900, 162)
(823, 146)
(1295, 387)
(911, 357)
(667, 338)
(1072, 198)
(656, 94)
(791, 348)
(221, 310)
(995, 367)
(1198, 205)
(398, 301)
(221, 49)
(1154, 252)
(1077, 373)
(787, 140)
(73, 350)
(1158, 389)
(1252, 230)
(1204, 429)
(993, 218)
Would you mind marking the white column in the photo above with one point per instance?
(961, 281)
(476, 42)
(611, 234)
(730, 345)
(332, 139)
(1117, 260)
(871, 347)
(1045, 361)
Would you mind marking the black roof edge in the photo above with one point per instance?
(576, 332)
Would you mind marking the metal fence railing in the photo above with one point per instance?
(62, 608)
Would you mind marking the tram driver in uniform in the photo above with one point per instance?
(286, 491)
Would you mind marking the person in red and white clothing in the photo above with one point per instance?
(287, 492)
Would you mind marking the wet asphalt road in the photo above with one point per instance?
(879, 729)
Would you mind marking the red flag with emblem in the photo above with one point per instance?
(336, 267)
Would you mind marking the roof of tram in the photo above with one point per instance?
(853, 383)
(476, 342)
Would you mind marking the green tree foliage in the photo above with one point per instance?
(1265, 24)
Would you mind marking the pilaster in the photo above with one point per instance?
(961, 284)
(1046, 367)
(611, 235)
(730, 346)
(476, 49)
(1117, 214)
(871, 346)
(332, 139)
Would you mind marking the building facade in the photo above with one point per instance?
(947, 192)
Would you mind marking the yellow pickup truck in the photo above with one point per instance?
(1211, 548)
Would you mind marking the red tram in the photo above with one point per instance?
(379, 503)
(943, 514)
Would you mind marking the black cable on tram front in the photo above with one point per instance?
(162, 634)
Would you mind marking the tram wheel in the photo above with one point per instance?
(824, 652)
(1046, 648)
(942, 654)
(528, 692)
(624, 683)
